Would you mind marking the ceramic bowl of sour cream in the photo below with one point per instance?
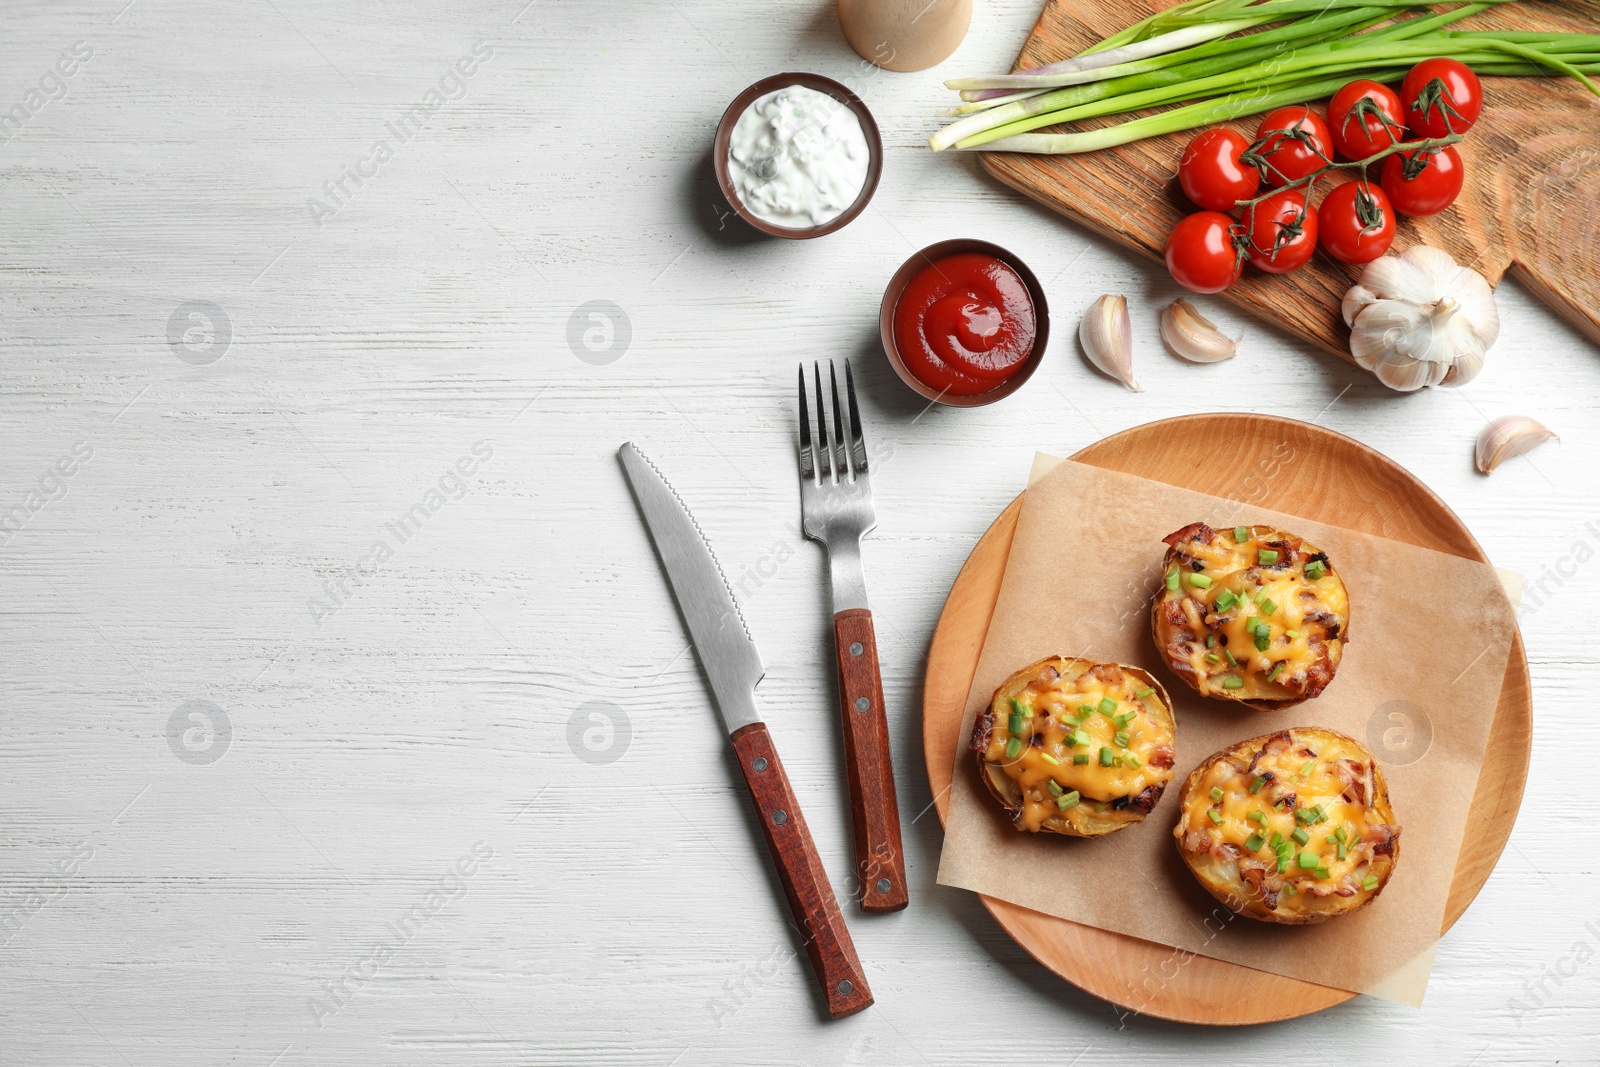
(797, 155)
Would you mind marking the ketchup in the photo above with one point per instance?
(964, 324)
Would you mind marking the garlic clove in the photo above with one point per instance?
(1190, 335)
(1507, 437)
(1106, 334)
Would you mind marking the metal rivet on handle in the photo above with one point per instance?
(759, 763)
(846, 987)
(780, 816)
(883, 885)
(856, 648)
(862, 703)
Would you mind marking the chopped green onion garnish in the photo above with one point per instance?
(1068, 800)
(1300, 835)
(1145, 692)
(1133, 761)
(1370, 882)
(1255, 786)
(1216, 794)
(1211, 640)
(1215, 816)
(1261, 594)
(1080, 759)
(1267, 557)
(1080, 737)
(1343, 850)
(1241, 534)
(1277, 669)
(1316, 569)
(1263, 640)
(1340, 834)
(1293, 635)
(1254, 843)
(1054, 787)
(1212, 657)
(1085, 710)
(1121, 739)
(1231, 682)
(1307, 767)
(1117, 762)
(1231, 660)
(1049, 759)
(1268, 606)
(1014, 748)
(1014, 723)
(1225, 600)
(1018, 707)
(1124, 719)
(1308, 861)
(1277, 840)
(1107, 705)
(1331, 839)
(1172, 580)
(1258, 816)
(1199, 581)
(1107, 757)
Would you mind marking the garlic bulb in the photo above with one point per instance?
(1419, 319)
(1107, 338)
(1190, 335)
(1507, 437)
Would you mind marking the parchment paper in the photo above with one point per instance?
(1430, 634)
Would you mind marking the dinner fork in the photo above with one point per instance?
(836, 509)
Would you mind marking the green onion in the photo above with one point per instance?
(1254, 843)
(1266, 557)
(1340, 834)
(1106, 756)
(1231, 660)
(1199, 581)
(1277, 669)
(1014, 748)
(1211, 640)
(1107, 705)
(1121, 739)
(1049, 759)
(1215, 816)
(1300, 835)
(1014, 723)
(1308, 861)
(1133, 761)
(1216, 793)
(1330, 839)
(1232, 682)
(1258, 816)
(1172, 581)
(1225, 600)
(1145, 692)
(1084, 711)
(1307, 767)
(1080, 737)
(1293, 635)
(1068, 800)
(1054, 787)
(1277, 840)
(1263, 640)
(1255, 786)
(1268, 606)
(1124, 719)
(1018, 707)
(1080, 759)
(1241, 534)
(1343, 849)
(1212, 657)
(1316, 569)
(1370, 882)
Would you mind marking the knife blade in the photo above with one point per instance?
(733, 665)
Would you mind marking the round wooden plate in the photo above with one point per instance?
(1331, 479)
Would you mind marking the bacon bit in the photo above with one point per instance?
(1195, 531)
(1145, 802)
(1196, 842)
(1050, 674)
(1161, 756)
(1353, 776)
(1383, 839)
(1278, 742)
(982, 730)
(1107, 674)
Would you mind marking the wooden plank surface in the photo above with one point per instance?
(1530, 202)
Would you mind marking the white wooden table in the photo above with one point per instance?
(391, 832)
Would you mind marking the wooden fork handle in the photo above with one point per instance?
(874, 810)
(805, 883)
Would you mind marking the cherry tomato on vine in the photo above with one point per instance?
(1364, 119)
(1423, 183)
(1441, 96)
(1294, 142)
(1211, 173)
(1283, 231)
(1356, 222)
(1200, 252)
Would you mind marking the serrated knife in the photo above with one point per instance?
(733, 665)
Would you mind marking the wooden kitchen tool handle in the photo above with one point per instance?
(874, 811)
(805, 883)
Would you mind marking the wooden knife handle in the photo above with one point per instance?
(805, 883)
(874, 811)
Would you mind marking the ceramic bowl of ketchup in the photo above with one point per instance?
(964, 323)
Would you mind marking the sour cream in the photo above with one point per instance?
(798, 158)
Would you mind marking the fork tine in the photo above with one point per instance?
(824, 446)
(808, 469)
(838, 423)
(858, 442)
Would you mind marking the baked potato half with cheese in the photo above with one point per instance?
(1293, 827)
(1075, 747)
(1253, 614)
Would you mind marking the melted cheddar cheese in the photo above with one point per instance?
(1078, 740)
(1296, 822)
(1240, 616)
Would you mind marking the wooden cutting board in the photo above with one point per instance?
(1531, 204)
